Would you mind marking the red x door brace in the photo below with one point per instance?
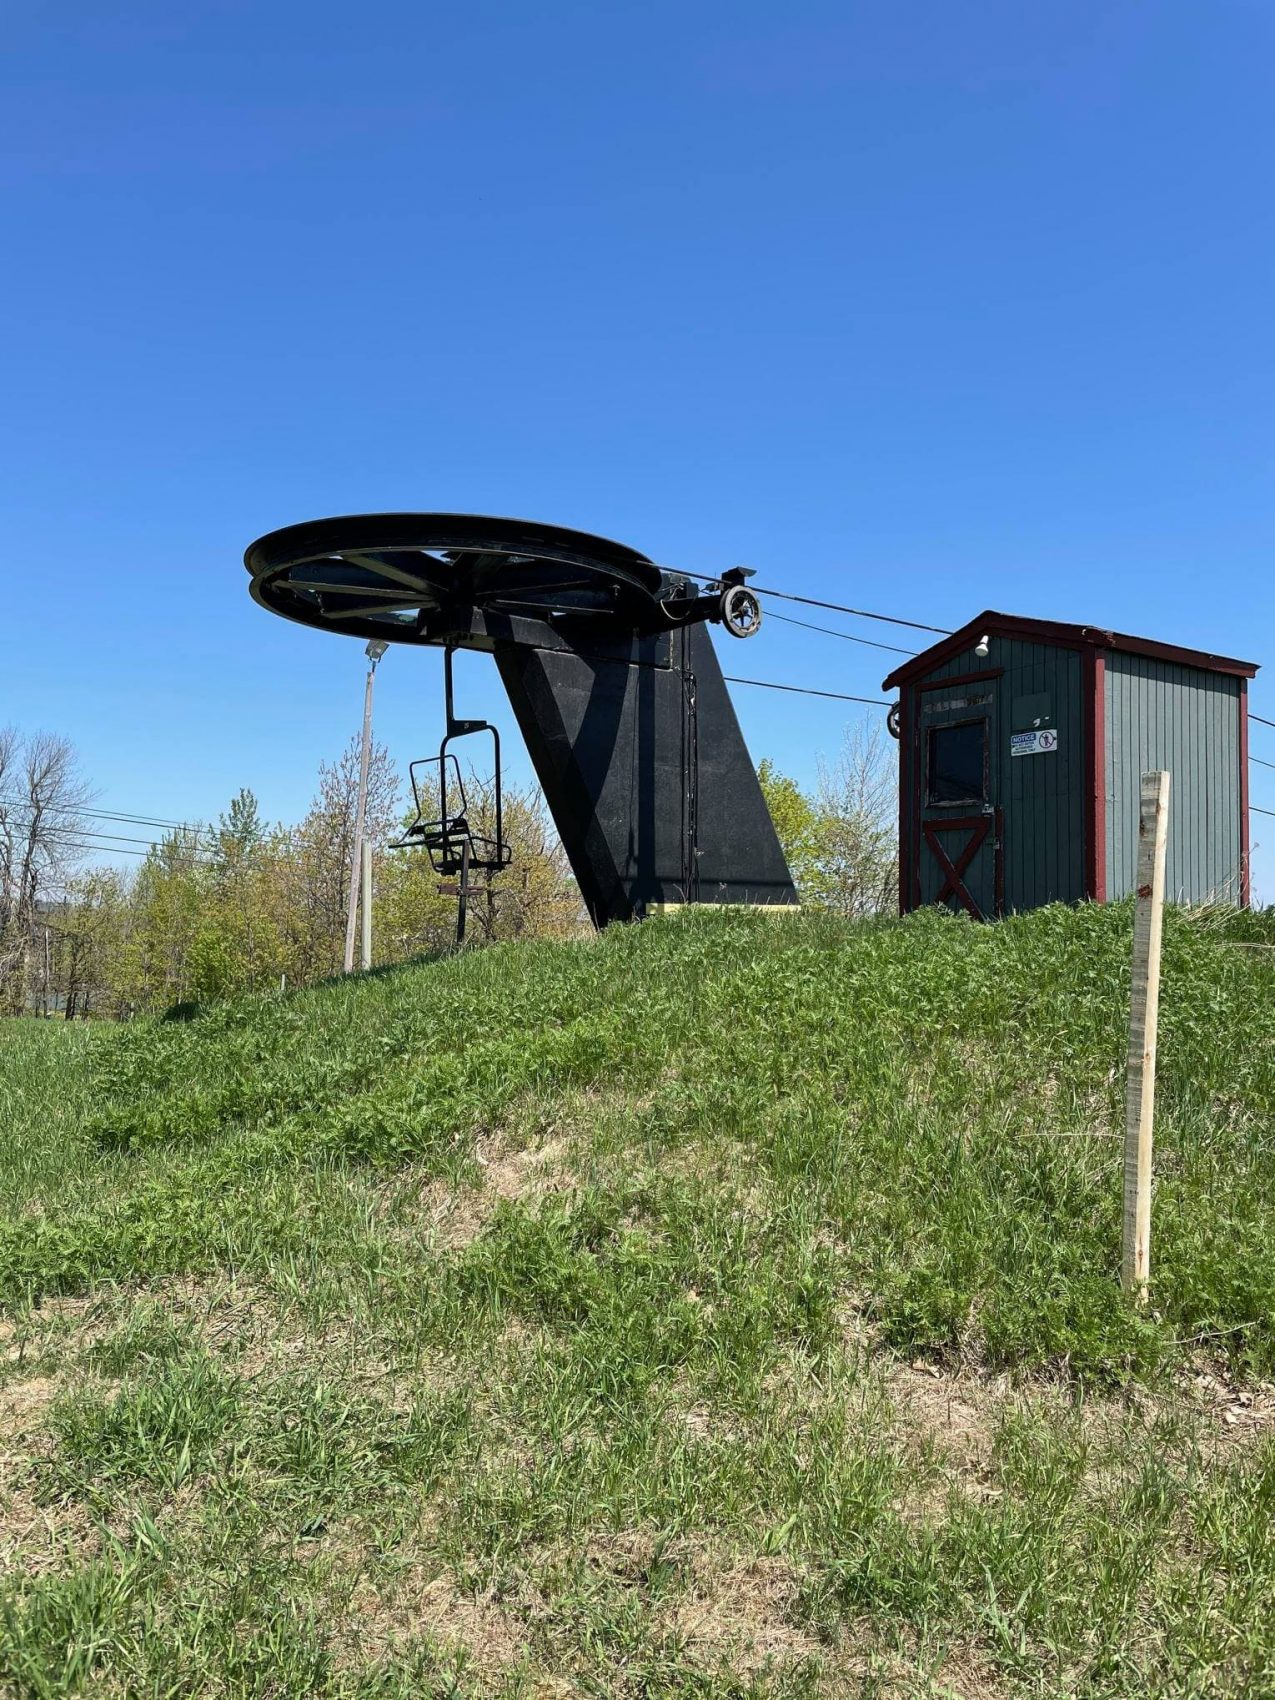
(954, 881)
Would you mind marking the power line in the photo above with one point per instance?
(61, 832)
(117, 844)
(1260, 721)
(849, 637)
(101, 849)
(1253, 809)
(194, 855)
(111, 815)
(86, 809)
(1260, 762)
(804, 691)
(15, 799)
(179, 834)
(73, 829)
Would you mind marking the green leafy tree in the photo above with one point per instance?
(796, 822)
(233, 907)
(841, 840)
(535, 896)
(240, 830)
(856, 808)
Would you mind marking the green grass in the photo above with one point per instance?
(724, 1307)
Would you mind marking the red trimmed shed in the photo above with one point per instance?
(1021, 746)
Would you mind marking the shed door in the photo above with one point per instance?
(959, 855)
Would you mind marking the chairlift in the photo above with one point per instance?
(611, 674)
(442, 827)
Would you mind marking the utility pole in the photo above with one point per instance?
(365, 955)
(462, 892)
(375, 650)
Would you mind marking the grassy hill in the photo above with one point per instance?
(724, 1307)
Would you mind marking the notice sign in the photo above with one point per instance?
(1042, 742)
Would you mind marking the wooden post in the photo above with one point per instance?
(366, 953)
(1144, 1015)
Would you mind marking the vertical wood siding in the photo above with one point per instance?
(1161, 715)
(1043, 796)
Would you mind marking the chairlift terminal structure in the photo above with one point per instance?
(611, 675)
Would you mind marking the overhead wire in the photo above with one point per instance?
(198, 856)
(848, 637)
(827, 631)
(1260, 762)
(803, 690)
(89, 839)
(71, 845)
(190, 835)
(112, 844)
(859, 613)
(812, 602)
(59, 832)
(192, 858)
(122, 817)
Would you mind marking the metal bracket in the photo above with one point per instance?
(459, 728)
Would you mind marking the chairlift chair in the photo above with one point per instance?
(447, 836)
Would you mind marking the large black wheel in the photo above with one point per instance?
(409, 577)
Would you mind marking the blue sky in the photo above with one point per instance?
(915, 306)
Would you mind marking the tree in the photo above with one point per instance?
(322, 854)
(796, 823)
(42, 799)
(534, 897)
(89, 931)
(164, 908)
(215, 911)
(841, 841)
(239, 831)
(856, 804)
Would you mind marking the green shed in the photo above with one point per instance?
(1021, 746)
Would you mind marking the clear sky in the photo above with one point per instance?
(926, 307)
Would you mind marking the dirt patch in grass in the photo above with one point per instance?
(51, 1331)
(959, 1409)
(424, 1603)
(22, 1407)
(956, 1414)
(223, 1310)
(967, 1674)
(535, 1169)
(1233, 1413)
(33, 1537)
(455, 1215)
(36, 1538)
(742, 1615)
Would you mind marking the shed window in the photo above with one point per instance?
(958, 763)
